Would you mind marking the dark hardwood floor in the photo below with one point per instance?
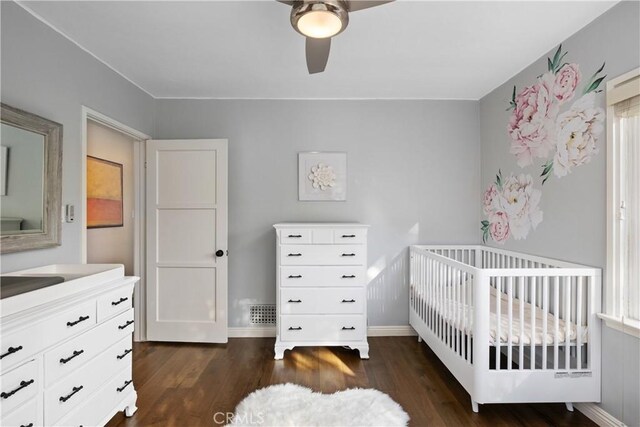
(186, 385)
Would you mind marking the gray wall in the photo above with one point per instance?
(574, 225)
(23, 198)
(45, 74)
(412, 173)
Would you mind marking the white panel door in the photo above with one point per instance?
(187, 240)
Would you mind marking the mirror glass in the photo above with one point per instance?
(22, 169)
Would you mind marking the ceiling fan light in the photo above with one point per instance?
(319, 24)
(319, 19)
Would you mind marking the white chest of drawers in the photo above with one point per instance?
(321, 286)
(66, 349)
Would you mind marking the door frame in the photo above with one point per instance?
(139, 184)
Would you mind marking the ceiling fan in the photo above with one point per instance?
(319, 20)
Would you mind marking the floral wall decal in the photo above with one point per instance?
(511, 206)
(322, 176)
(538, 128)
(551, 121)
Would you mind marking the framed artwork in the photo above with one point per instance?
(104, 193)
(322, 176)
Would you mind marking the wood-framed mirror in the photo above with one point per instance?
(30, 181)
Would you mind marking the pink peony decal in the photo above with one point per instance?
(537, 126)
(513, 208)
(566, 82)
(532, 123)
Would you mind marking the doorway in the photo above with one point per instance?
(113, 215)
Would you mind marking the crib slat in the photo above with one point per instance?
(567, 322)
(510, 323)
(579, 322)
(497, 339)
(556, 315)
(521, 296)
(545, 310)
(532, 289)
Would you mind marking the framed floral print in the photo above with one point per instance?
(322, 176)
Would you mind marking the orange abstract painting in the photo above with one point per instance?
(104, 193)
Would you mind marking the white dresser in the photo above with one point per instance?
(66, 349)
(321, 286)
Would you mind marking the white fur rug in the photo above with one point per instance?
(286, 405)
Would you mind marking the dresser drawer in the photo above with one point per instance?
(68, 393)
(115, 302)
(18, 346)
(66, 358)
(295, 236)
(103, 401)
(322, 276)
(349, 236)
(322, 328)
(322, 301)
(322, 255)
(25, 415)
(18, 386)
(71, 322)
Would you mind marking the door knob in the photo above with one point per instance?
(219, 253)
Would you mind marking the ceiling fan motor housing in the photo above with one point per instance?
(338, 8)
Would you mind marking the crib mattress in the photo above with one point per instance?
(453, 313)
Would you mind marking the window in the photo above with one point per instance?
(623, 199)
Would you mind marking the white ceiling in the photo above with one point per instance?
(247, 49)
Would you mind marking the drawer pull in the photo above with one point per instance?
(348, 254)
(295, 300)
(80, 319)
(123, 355)
(350, 328)
(26, 425)
(297, 276)
(76, 353)
(70, 395)
(23, 384)
(348, 300)
(129, 322)
(295, 254)
(295, 236)
(350, 276)
(10, 351)
(120, 301)
(126, 383)
(348, 236)
(297, 328)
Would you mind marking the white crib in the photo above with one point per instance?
(510, 327)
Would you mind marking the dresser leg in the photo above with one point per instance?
(364, 351)
(280, 349)
(131, 407)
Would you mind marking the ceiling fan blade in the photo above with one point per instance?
(289, 2)
(355, 5)
(317, 54)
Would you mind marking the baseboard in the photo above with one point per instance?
(270, 331)
(391, 331)
(598, 415)
(253, 332)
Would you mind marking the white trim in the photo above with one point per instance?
(270, 331)
(614, 298)
(23, 4)
(139, 213)
(391, 331)
(294, 98)
(622, 324)
(598, 415)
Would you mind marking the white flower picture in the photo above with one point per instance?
(322, 176)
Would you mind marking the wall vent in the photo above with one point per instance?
(262, 314)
